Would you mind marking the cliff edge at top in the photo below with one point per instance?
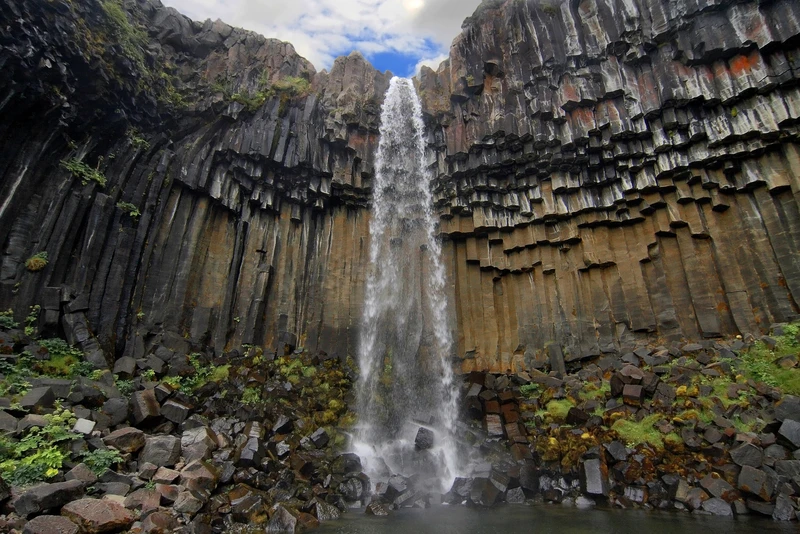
(609, 173)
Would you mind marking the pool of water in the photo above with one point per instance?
(546, 519)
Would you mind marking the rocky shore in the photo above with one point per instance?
(250, 441)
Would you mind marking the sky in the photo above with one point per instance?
(396, 35)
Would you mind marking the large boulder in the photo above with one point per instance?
(126, 439)
(199, 475)
(162, 451)
(145, 406)
(96, 516)
(48, 496)
(50, 524)
(281, 522)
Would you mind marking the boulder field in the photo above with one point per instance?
(254, 441)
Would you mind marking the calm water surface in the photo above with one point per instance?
(544, 518)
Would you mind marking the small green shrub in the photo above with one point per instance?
(203, 374)
(531, 390)
(100, 460)
(251, 396)
(556, 410)
(125, 387)
(137, 140)
(40, 453)
(130, 209)
(63, 360)
(82, 171)
(37, 262)
(31, 319)
(7, 319)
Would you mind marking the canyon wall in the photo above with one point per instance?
(608, 172)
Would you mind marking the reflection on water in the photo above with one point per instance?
(546, 519)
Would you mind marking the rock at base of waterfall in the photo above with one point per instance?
(424, 439)
(377, 509)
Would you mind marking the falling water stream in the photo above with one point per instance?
(405, 380)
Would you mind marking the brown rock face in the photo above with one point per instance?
(605, 173)
(95, 516)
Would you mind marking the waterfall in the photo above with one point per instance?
(405, 377)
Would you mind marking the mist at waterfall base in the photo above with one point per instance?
(405, 379)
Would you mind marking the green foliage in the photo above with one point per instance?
(15, 381)
(251, 396)
(556, 410)
(791, 335)
(285, 88)
(37, 262)
(549, 9)
(202, 375)
(130, 209)
(758, 362)
(137, 140)
(7, 319)
(637, 432)
(86, 174)
(131, 38)
(294, 86)
(31, 319)
(594, 392)
(170, 94)
(40, 452)
(125, 387)
(250, 101)
(530, 391)
(148, 375)
(100, 460)
(63, 360)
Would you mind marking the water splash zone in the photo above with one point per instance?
(406, 396)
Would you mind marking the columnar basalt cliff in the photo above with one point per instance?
(608, 173)
(610, 170)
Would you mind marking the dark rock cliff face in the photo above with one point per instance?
(608, 172)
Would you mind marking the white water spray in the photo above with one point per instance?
(406, 380)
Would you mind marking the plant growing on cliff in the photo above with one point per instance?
(137, 140)
(294, 86)
(130, 209)
(63, 360)
(131, 38)
(37, 262)
(286, 89)
(7, 319)
(82, 171)
(31, 320)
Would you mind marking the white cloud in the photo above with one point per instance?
(432, 62)
(320, 30)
